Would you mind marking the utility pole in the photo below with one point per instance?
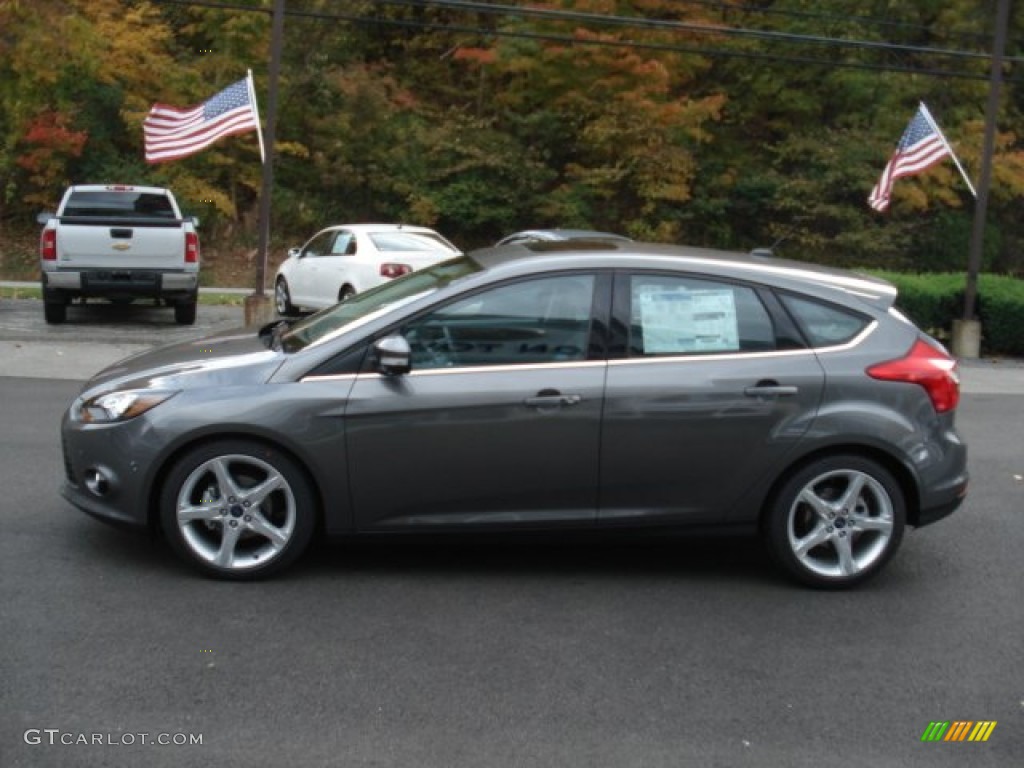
(258, 306)
(967, 331)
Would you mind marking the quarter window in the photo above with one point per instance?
(688, 316)
(824, 324)
(530, 322)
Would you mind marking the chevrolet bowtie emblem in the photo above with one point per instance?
(120, 246)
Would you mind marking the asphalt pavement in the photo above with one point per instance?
(491, 652)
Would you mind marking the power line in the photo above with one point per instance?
(679, 26)
(573, 40)
(831, 17)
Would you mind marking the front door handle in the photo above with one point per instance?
(552, 398)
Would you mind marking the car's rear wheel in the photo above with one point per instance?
(836, 521)
(55, 306)
(346, 292)
(283, 299)
(185, 312)
(237, 509)
(55, 312)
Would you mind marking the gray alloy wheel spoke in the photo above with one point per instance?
(821, 507)
(815, 538)
(259, 525)
(228, 488)
(226, 553)
(193, 514)
(258, 493)
(863, 523)
(853, 491)
(844, 549)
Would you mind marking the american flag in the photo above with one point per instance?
(171, 133)
(920, 147)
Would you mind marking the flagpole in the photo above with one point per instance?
(256, 111)
(935, 127)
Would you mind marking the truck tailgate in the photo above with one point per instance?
(120, 245)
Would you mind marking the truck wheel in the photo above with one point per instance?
(185, 312)
(55, 307)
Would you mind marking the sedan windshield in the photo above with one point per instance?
(364, 307)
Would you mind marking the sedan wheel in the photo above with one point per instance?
(346, 292)
(836, 522)
(237, 509)
(283, 299)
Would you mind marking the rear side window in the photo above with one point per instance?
(673, 315)
(824, 325)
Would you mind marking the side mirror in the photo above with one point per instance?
(293, 252)
(195, 221)
(45, 217)
(394, 356)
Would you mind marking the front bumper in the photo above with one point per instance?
(104, 471)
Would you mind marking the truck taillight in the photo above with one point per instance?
(390, 269)
(927, 367)
(48, 245)
(191, 248)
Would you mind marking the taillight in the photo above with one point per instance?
(191, 248)
(927, 367)
(48, 245)
(394, 270)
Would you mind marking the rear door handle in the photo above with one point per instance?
(770, 388)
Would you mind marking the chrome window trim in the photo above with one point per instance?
(492, 369)
(848, 283)
(329, 377)
(708, 358)
(868, 330)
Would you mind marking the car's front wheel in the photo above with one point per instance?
(283, 299)
(836, 521)
(237, 509)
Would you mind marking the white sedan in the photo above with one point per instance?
(341, 261)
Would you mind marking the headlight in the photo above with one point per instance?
(121, 406)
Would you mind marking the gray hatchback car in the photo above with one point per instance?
(605, 386)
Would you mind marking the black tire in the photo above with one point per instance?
(826, 538)
(270, 530)
(346, 292)
(55, 308)
(283, 299)
(185, 312)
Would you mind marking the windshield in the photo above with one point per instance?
(364, 307)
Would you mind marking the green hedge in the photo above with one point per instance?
(933, 301)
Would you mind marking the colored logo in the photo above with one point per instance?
(959, 730)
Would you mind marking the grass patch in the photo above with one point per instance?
(208, 298)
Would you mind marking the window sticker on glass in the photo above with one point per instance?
(677, 321)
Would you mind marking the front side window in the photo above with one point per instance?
(674, 315)
(320, 245)
(544, 320)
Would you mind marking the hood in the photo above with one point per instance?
(231, 358)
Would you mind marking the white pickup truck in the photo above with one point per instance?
(119, 243)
